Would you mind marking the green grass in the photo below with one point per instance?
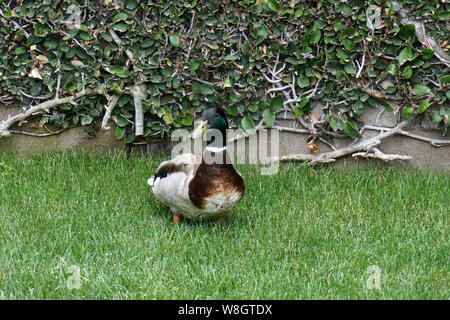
(300, 234)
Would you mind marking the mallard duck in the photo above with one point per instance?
(196, 187)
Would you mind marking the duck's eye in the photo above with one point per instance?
(217, 115)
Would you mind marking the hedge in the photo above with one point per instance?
(347, 55)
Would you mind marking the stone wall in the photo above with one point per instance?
(425, 156)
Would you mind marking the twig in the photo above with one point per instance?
(434, 142)
(32, 97)
(118, 41)
(361, 66)
(38, 134)
(58, 81)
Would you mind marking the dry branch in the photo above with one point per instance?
(434, 142)
(377, 154)
(138, 93)
(5, 125)
(109, 108)
(362, 146)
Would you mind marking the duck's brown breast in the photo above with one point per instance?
(216, 181)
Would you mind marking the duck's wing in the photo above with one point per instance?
(170, 184)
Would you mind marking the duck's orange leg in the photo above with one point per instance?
(176, 219)
(219, 221)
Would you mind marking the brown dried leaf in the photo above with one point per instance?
(77, 63)
(34, 73)
(314, 117)
(312, 146)
(42, 59)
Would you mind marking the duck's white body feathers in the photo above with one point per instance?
(208, 196)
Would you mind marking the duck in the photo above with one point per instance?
(201, 187)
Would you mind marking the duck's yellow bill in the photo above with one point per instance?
(200, 130)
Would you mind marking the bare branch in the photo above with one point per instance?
(361, 66)
(138, 93)
(109, 108)
(38, 134)
(331, 156)
(5, 125)
(434, 142)
(380, 155)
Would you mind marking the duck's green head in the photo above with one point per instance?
(212, 118)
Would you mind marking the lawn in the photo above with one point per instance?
(301, 234)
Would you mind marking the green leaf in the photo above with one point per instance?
(274, 5)
(427, 53)
(268, 117)
(120, 17)
(86, 120)
(407, 111)
(407, 32)
(350, 68)
(420, 90)
(351, 129)
(315, 36)
(303, 102)
(117, 70)
(122, 122)
(276, 102)
(231, 57)
(424, 105)
(20, 50)
(445, 79)
(120, 132)
(122, 27)
(205, 89)
(248, 125)
(392, 69)
(130, 138)
(303, 82)
(333, 124)
(168, 118)
(124, 99)
(407, 73)
(405, 55)
(444, 15)
(187, 121)
(298, 111)
(174, 40)
(253, 107)
(342, 54)
(43, 121)
(348, 44)
(436, 117)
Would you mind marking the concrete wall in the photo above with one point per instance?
(424, 155)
